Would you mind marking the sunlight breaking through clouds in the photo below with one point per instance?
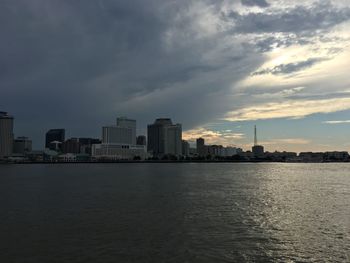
(289, 109)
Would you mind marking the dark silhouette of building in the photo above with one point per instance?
(141, 140)
(201, 148)
(6, 135)
(86, 144)
(258, 150)
(22, 145)
(71, 146)
(54, 138)
(164, 138)
(185, 148)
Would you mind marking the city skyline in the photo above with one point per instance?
(132, 134)
(217, 67)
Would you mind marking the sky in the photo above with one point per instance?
(218, 67)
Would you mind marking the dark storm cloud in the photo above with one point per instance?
(290, 67)
(261, 3)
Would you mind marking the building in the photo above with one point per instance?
(122, 133)
(118, 151)
(185, 148)
(258, 150)
(54, 139)
(202, 150)
(231, 151)
(22, 145)
(71, 146)
(6, 135)
(119, 142)
(130, 124)
(141, 140)
(86, 145)
(164, 138)
(215, 150)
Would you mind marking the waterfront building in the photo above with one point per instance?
(231, 151)
(86, 144)
(122, 133)
(164, 138)
(119, 142)
(130, 124)
(215, 150)
(22, 146)
(202, 150)
(6, 135)
(54, 139)
(185, 148)
(71, 146)
(114, 151)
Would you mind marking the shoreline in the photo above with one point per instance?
(166, 161)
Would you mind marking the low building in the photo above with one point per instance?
(311, 156)
(119, 151)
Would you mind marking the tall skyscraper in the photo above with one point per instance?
(6, 135)
(258, 150)
(201, 148)
(164, 137)
(54, 137)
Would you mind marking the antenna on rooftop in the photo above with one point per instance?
(255, 137)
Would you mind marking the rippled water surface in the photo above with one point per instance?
(175, 213)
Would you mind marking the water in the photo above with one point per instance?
(175, 213)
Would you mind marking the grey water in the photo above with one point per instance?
(204, 212)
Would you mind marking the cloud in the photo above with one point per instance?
(224, 137)
(300, 19)
(298, 141)
(337, 122)
(290, 67)
(260, 3)
(289, 109)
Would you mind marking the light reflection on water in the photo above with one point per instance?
(175, 213)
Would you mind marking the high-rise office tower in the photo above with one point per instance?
(22, 145)
(201, 148)
(123, 133)
(6, 135)
(164, 137)
(119, 141)
(185, 148)
(54, 137)
(128, 123)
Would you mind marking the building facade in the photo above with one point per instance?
(164, 138)
(6, 135)
(202, 150)
(119, 142)
(22, 145)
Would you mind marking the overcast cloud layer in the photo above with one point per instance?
(79, 64)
